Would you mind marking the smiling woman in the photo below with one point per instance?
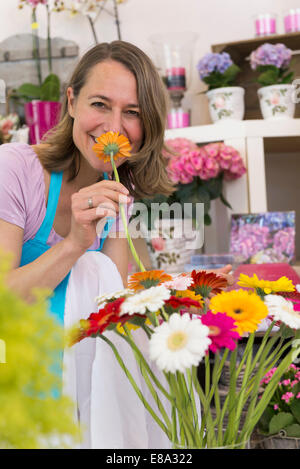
(53, 196)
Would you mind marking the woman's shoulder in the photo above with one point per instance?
(19, 158)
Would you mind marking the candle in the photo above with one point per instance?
(178, 118)
(292, 20)
(176, 78)
(265, 24)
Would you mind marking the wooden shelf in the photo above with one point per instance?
(239, 50)
(239, 129)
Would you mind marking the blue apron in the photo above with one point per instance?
(37, 246)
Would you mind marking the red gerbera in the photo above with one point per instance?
(176, 302)
(205, 283)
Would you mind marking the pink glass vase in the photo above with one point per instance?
(40, 117)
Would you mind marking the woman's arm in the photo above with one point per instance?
(117, 249)
(45, 272)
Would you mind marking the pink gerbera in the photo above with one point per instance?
(221, 331)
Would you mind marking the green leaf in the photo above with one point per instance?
(225, 202)
(295, 408)
(293, 430)
(230, 74)
(287, 78)
(29, 91)
(268, 78)
(279, 422)
(265, 419)
(50, 89)
(287, 333)
(214, 187)
(207, 219)
(203, 195)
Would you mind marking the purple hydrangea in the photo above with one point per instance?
(271, 54)
(213, 62)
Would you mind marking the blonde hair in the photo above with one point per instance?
(144, 174)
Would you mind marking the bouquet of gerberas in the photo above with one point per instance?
(188, 319)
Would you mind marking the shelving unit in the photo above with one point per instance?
(253, 139)
(240, 52)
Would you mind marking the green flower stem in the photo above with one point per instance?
(132, 248)
(241, 396)
(134, 385)
(36, 49)
(229, 434)
(49, 44)
(192, 397)
(131, 342)
(186, 425)
(141, 361)
(207, 374)
(209, 436)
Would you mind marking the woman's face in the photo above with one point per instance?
(107, 102)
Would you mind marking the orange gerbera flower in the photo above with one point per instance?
(112, 143)
(205, 283)
(148, 279)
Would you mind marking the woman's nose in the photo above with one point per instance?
(113, 122)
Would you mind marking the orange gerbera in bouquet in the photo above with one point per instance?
(188, 319)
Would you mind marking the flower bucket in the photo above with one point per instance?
(226, 103)
(277, 442)
(276, 102)
(40, 117)
(171, 244)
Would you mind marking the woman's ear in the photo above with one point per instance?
(71, 101)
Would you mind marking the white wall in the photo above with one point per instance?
(215, 21)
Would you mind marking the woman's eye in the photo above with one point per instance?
(98, 104)
(133, 113)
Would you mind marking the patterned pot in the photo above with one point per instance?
(276, 102)
(171, 244)
(226, 103)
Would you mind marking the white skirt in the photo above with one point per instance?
(109, 411)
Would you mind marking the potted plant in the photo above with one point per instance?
(225, 100)
(280, 423)
(41, 101)
(198, 173)
(272, 62)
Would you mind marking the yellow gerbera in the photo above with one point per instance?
(190, 294)
(112, 143)
(267, 286)
(245, 307)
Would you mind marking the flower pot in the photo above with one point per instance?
(171, 244)
(276, 102)
(226, 103)
(277, 442)
(40, 117)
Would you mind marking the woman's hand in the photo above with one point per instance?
(107, 194)
(225, 272)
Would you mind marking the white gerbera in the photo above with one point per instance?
(151, 299)
(283, 310)
(179, 343)
(103, 299)
(181, 282)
